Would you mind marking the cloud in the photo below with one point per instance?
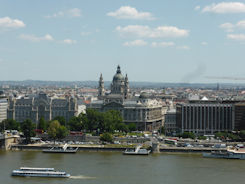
(225, 7)
(204, 43)
(69, 41)
(8, 23)
(75, 12)
(135, 43)
(197, 8)
(241, 24)
(85, 33)
(184, 47)
(147, 32)
(34, 38)
(127, 12)
(228, 27)
(236, 37)
(162, 44)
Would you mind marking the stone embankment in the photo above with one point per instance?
(117, 148)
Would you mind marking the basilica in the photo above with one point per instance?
(145, 112)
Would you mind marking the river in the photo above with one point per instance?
(115, 168)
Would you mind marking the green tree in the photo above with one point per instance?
(132, 127)
(122, 127)
(202, 137)
(61, 120)
(91, 120)
(75, 124)
(27, 127)
(188, 135)
(62, 132)
(162, 130)
(112, 119)
(57, 131)
(242, 134)
(42, 124)
(53, 129)
(9, 124)
(106, 137)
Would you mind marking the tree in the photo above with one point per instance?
(188, 135)
(57, 131)
(122, 127)
(28, 128)
(9, 124)
(53, 129)
(242, 134)
(106, 137)
(91, 120)
(162, 130)
(132, 127)
(61, 120)
(42, 124)
(75, 124)
(62, 132)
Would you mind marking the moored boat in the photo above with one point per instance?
(39, 172)
(136, 151)
(64, 149)
(230, 153)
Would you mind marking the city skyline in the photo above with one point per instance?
(164, 41)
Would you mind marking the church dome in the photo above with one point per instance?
(144, 95)
(118, 76)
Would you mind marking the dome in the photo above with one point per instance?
(144, 95)
(118, 76)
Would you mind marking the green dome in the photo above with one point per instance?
(144, 95)
(118, 76)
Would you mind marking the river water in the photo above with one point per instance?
(115, 168)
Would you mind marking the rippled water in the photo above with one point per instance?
(115, 168)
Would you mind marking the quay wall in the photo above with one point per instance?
(116, 149)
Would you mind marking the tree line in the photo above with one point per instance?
(93, 121)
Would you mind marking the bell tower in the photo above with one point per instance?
(101, 89)
(126, 87)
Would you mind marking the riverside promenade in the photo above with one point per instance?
(111, 147)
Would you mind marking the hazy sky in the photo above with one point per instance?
(157, 40)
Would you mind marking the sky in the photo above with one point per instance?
(195, 41)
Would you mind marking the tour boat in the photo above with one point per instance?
(64, 149)
(39, 172)
(136, 151)
(234, 153)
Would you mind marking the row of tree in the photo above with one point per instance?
(93, 120)
(54, 129)
(58, 128)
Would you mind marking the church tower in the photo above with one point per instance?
(126, 87)
(101, 89)
(117, 86)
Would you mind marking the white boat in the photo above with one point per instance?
(64, 149)
(234, 153)
(137, 151)
(39, 172)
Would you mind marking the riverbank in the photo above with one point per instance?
(113, 148)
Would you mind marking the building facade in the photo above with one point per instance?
(3, 109)
(39, 106)
(170, 122)
(239, 109)
(146, 113)
(205, 117)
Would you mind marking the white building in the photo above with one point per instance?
(3, 108)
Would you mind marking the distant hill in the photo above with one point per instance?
(94, 84)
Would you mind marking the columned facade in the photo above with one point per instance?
(205, 118)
